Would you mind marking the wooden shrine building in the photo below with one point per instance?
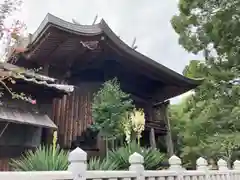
(86, 56)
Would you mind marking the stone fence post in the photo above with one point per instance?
(202, 164)
(78, 164)
(222, 165)
(175, 163)
(236, 165)
(136, 164)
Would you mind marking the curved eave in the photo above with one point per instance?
(51, 20)
(103, 29)
(124, 47)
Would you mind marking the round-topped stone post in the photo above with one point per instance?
(175, 163)
(236, 165)
(202, 164)
(222, 164)
(78, 163)
(136, 164)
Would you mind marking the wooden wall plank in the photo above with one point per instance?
(72, 113)
(4, 164)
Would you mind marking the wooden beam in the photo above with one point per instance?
(88, 60)
(31, 53)
(166, 103)
(145, 70)
(166, 92)
(157, 125)
(50, 55)
(138, 98)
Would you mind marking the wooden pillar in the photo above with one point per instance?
(101, 145)
(46, 108)
(162, 108)
(48, 132)
(152, 138)
(168, 138)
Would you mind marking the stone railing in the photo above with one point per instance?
(77, 170)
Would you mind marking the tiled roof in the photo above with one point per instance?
(30, 76)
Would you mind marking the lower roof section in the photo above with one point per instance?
(23, 117)
(17, 73)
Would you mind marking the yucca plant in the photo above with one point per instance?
(44, 158)
(96, 163)
(152, 157)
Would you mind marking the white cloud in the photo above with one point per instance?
(149, 21)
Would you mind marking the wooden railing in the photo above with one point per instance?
(77, 170)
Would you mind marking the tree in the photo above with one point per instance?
(224, 146)
(178, 118)
(13, 33)
(109, 109)
(211, 27)
(209, 118)
(7, 8)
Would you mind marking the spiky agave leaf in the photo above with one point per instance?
(96, 163)
(44, 158)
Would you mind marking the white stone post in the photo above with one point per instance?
(175, 163)
(222, 165)
(236, 165)
(202, 164)
(136, 164)
(78, 164)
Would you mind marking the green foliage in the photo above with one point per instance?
(178, 119)
(195, 70)
(210, 27)
(225, 145)
(97, 163)
(120, 156)
(45, 158)
(205, 124)
(118, 159)
(110, 106)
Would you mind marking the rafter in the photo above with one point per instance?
(31, 53)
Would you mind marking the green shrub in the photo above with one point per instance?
(45, 158)
(152, 157)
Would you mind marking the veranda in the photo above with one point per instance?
(77, 170)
